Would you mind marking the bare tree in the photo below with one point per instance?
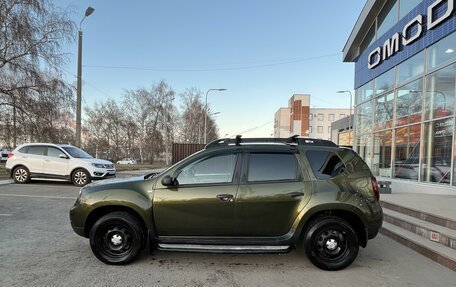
(32, 35)
(191, 122)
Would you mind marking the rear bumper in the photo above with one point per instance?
(374, 225)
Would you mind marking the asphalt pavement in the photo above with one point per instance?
(39, 248)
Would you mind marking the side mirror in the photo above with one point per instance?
(62, 156)
(168, 181)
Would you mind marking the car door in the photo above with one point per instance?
(35, 158)
(53, 164)
(271, 194)
(202, 201)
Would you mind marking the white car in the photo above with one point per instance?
(55, 161)
(127, 160)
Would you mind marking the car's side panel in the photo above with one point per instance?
(194, 211)
(269, 209)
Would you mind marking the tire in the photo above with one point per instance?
(21, 175)
(331, 243)
(80, 177)
(117, 238)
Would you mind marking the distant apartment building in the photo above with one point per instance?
(299, 119)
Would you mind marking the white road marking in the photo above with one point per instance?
(4, 214)
(38, 196)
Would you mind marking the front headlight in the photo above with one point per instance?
(99, 165)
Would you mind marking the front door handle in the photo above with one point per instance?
(295, 194)
(225, 197)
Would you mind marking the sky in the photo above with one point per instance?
(261, 51)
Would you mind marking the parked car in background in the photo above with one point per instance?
(239, 195)
(56, 161)
(4, 154)
(127, 160)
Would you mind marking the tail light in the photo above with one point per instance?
(10, 154)
(376, 189)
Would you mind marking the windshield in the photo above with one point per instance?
(76, 153)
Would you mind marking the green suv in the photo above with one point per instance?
(260, 195)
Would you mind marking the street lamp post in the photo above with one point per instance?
(349, 118)
(205, 113)
(88, 12)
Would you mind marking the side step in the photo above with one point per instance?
(224, 248)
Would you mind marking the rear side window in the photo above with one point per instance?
(325, 164)
(24, 149)
(38, 150)
(272, 167)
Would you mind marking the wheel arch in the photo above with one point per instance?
(16, 166)
(75, 169)
(351, 217)
(99, 212)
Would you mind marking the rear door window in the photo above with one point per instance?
(272, 167)
(37, 150)
(325, 164)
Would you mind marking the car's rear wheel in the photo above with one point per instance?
(331, 243)
(80, 177)
(117, 238)
(21, 175)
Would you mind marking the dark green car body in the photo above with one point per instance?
(244, 207)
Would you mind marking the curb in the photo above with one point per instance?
(7, 181)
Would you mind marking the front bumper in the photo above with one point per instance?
(103, 173)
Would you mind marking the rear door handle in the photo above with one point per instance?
(296, 194)
(225, 197)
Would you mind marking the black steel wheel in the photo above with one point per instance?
(21, 174)
(117, 238)
(80, 177)
(331, 243)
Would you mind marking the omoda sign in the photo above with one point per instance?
(409, 34)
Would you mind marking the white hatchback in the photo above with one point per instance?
(56, 161)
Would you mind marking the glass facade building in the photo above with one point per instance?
(405, 85)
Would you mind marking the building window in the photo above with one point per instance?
(408, 103)
(329, 129)
(364, 118)
(383, 115)
(311, 117)
(331, 117)
(384, 82)
(405, 6)
(440, 92)
(442, 52)
(341, 116)
(411, 68)
(382, 153)
(310, 129)
(387, 17)
(365, 92)
(407, 160)
(320, 129)
(321, 117)
(437, 140)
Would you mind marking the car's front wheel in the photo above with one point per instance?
(21, 175)
(80, 177)
(117, 238)
(331, 243)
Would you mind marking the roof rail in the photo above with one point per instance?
(293, 140)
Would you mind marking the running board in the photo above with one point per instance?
(224, 248)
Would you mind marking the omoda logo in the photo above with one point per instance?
(412, 31)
